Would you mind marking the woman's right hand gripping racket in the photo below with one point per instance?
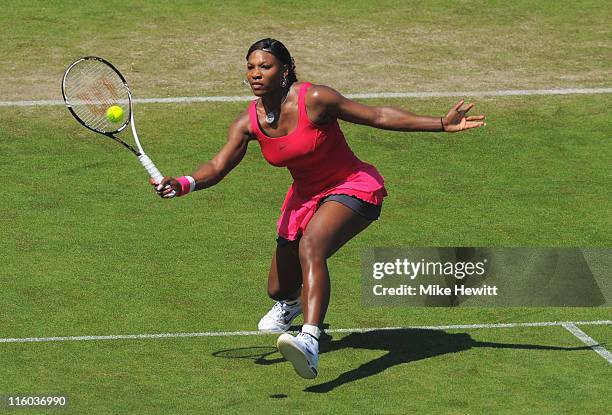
(98, 96)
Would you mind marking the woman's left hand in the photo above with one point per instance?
(456, 119)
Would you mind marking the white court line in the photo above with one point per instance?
(444, 94)
(259, 333)
(589, 341)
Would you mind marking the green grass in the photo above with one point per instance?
(92, 251)
(189, 48)
(482, 371)
(88, 249)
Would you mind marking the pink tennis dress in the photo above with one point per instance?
(321, 164)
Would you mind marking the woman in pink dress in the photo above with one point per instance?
(333, 197)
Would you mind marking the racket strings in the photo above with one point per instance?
(92, 93)
(91, 73)
(92, 107)
(91, 87)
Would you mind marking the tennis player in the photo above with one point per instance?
(333, 197)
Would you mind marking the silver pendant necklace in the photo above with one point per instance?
(271, 115)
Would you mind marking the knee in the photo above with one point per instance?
(311, 250)
(277, 294)
(280, 293)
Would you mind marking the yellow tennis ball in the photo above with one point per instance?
(114, 113)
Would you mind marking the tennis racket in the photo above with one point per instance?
(91, 86)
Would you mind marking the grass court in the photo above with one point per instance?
(87, 249)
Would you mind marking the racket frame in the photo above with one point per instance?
(138, 151)
(129, 120)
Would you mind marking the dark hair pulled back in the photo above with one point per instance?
(276, 48)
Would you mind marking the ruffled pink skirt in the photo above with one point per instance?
(364, 183)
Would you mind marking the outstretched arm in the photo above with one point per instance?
(329, 104)
(213, 171)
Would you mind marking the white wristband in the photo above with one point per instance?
(191, 183)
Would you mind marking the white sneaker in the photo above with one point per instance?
(279, 318)
(302, 351)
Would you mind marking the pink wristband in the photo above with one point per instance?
(185, 185)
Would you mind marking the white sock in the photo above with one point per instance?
(311, 329)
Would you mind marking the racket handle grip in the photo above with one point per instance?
(155, 174)
(150, 167)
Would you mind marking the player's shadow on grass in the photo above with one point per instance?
(402, 346)
(405, 346)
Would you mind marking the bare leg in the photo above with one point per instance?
(332, 226)
(285, 277)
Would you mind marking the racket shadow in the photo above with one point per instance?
(259, 354)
